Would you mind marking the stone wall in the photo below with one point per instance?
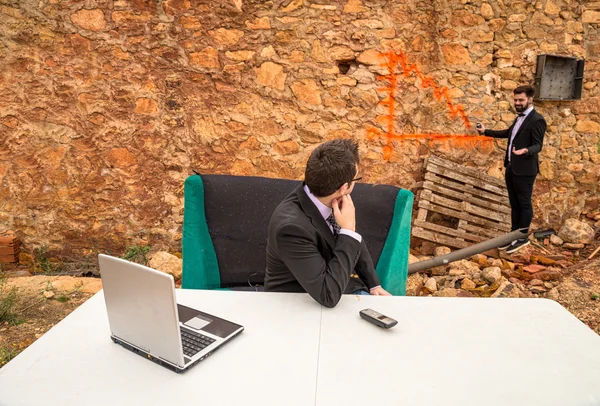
(108, 105)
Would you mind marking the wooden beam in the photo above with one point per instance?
(466, 179)
(483, 231)
(466, 196)
(464, 206)
(449, 231)
(422, 215)
(462, 215)
(438, 238)
(476, 173)
(461, 187)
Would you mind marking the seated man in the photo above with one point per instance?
(313, 245)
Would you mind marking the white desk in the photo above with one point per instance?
(457, 351)
(76, 363)
(444, 351)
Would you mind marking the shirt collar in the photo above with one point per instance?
(526, 112)
(324, 210)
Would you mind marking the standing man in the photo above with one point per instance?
(525, 140)
(313, 245)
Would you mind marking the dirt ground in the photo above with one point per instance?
(579, 292)
(42, 301)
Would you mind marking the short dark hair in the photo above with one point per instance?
(330, 165)
(527, 89)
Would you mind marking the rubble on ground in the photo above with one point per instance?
(534, 271)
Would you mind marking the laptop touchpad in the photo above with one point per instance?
(197, 323)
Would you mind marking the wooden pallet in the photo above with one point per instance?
(475, 202)
(9, 250)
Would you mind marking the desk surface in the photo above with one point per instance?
(457, 351)
(76, 362)
(446, 351)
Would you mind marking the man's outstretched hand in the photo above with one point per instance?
(343, 210)
(379, 291)
(480, 128)
(521, 151)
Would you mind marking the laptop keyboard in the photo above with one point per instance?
(193, 342)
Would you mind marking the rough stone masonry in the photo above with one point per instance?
(106, 106)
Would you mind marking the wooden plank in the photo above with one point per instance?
(477, 200)
(466, 188)
(503, 217)
(449, 231)
(462, 215)
(466, 179)
(461, 224)
(438, 238)
(418, 195)
(502, 226)
(464, 206)
(466, 197)
(467, 207)
(487, 232)
(476, 173)
(422, 215)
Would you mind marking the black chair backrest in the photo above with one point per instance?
(239, 208)
(374, 213)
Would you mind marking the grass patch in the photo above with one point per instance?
(9, 352)
(63, 298)
(595, 296)
(137, 253)
(42, 263)
(6, 354)
(8, 299)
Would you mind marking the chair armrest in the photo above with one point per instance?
(200, 265)
(392, 267)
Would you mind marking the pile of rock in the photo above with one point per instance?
(593, 216)
(167, 263)
(530, 272)
(525, 275)
(574, 235)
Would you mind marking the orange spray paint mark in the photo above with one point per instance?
(393, 61)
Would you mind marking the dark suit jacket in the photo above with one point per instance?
(304, 256)
(530, 136)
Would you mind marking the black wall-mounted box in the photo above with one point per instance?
(558, 77)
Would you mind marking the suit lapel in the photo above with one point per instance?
(525, 123)
(313, 213)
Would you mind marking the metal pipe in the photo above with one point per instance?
(469, 251)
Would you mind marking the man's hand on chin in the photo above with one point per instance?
(379, 291)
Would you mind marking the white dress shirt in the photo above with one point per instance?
(326, 212)
(515, 130)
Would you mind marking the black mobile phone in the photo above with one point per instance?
(378, 319)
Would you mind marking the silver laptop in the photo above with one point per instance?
(145, 318)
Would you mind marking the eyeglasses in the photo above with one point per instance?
(357, 179)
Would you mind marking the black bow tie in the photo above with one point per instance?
(521, 114)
